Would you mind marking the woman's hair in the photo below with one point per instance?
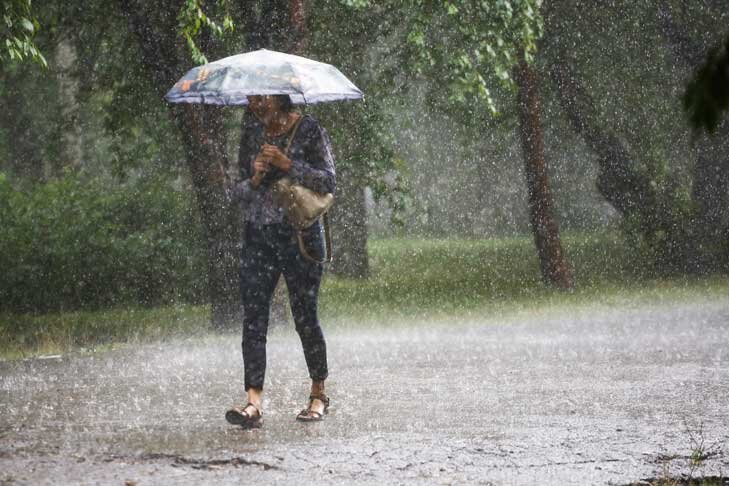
(285, 102)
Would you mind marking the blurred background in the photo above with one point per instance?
(505, 151)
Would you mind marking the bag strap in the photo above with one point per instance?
(294, 131)
(327, 238)
(327, 230)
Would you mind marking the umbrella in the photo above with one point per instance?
(229, 81)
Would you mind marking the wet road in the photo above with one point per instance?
(586, 396)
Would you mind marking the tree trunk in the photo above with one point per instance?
(710, 184)
(25, 154)
(349, 227)
(618, 182)
(297, 16)
(201, 132)
(71, 153)
(201, 127)
(554, 266)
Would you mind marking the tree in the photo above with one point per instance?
(472, 47)
(201, 130)
(681, 227)
(146, 48)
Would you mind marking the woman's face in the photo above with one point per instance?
(264, 107)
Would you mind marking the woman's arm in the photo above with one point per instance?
(313, 167)
(241, 191)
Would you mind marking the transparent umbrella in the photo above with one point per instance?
(229, 81)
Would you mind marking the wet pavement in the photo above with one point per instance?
(578, 396)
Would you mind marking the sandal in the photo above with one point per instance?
(309, 415)
(239, 416)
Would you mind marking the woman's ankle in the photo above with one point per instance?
(255, 396)
(317, 388)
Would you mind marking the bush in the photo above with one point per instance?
(667, 228)
(76, 243)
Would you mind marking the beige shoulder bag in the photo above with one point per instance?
(303, 207)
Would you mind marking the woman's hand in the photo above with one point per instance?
(260, 168)
(275, 157)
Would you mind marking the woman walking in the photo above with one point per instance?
(278, 142)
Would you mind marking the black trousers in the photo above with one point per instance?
(270, 251)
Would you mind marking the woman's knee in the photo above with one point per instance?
(255, 328)
(308, 328)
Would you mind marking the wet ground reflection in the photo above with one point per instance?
(586, 396)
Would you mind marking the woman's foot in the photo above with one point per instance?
(318, 407)
(249, 416)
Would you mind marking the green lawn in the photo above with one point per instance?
(470, 277)
(423, 278)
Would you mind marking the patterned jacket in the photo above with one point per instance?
(312, 166)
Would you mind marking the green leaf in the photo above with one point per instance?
(417, 38)
(27, 25)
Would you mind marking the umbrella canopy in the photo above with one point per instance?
(229, 81)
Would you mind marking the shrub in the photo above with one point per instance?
(78, 243)
(666, 226)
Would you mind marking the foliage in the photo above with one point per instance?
(93, 108)
(468, 45)
(660, 227)
(17, 31)
(192, 19)
(365, 151)
(707, 94)
(476, 42)
(78, 242)
(461, 53)
(362, 132)
(429, 64)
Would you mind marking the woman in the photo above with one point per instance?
(271, 247)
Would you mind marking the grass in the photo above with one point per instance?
(28, 335)
(444, 277)
(411, 278)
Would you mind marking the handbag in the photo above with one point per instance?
(302, 206)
